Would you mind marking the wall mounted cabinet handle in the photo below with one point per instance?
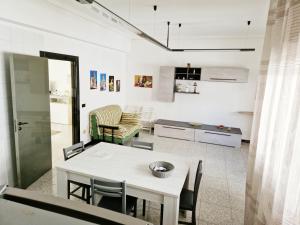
(229, 79)
(207, 132)
(174, 128)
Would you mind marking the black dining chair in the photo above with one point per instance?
(188, 198)
(113, 196)
(69, 153)
(146, 146)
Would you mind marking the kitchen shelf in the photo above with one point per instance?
(184, 73)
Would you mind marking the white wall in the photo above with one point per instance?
(218, 102)
(60, 85)
(26, 27)
(60, 77)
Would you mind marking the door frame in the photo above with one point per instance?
(75, 87)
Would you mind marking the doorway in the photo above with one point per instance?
(64, 102)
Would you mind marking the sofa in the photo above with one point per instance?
(119, 127)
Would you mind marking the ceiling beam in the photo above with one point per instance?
(144, 35)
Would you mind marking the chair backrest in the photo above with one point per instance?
(132, 109)
(109, 189)
(73, 150)
(108, 115)
(197, 183)
(142, 145)
(147, 114)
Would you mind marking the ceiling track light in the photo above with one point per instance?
(142, 34)
(168, 33)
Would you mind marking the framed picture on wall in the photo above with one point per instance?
(118, 85)
(102, 81)
(93, 79)
(143, 81)
(111, 83)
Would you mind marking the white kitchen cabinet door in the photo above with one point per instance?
(166, 84)
(225, 74)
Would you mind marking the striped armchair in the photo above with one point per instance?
(119, 127)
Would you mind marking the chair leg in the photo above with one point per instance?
(83, 193)
(144, 207)
(69, 186)
(193, 217)
(88, 195)
(135, 209)
(161, 214)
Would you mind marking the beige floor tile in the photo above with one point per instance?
(202, 222)
(237, 188)
(237, 202)
(215, 214)
(213, 182)
(215, 196)
(237, 216)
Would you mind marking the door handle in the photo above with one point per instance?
(22, 123)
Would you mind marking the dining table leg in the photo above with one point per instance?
(62, 184)
(171, 210)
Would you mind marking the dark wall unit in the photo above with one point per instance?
(185, 73)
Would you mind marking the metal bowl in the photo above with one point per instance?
(161, 169)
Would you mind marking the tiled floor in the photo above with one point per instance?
(222, 190)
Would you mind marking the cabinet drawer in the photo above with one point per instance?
(218, 138)
(174, 132)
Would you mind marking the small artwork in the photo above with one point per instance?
(93, 79)
(118, 85)
(111, 83)
(143, 81)
(102, 81)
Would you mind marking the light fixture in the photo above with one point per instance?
(142, 34)
(154, 19)
(168, 33)
(85, 1)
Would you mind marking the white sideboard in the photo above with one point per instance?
(174, 132)
(203, 133)
(219, 138)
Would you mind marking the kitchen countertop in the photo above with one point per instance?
(207, 127)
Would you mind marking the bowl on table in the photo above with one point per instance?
(161, 169)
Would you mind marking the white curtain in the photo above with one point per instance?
(273, 180)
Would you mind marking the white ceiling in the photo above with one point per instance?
(199, 18)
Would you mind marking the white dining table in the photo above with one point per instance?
(118, 163)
